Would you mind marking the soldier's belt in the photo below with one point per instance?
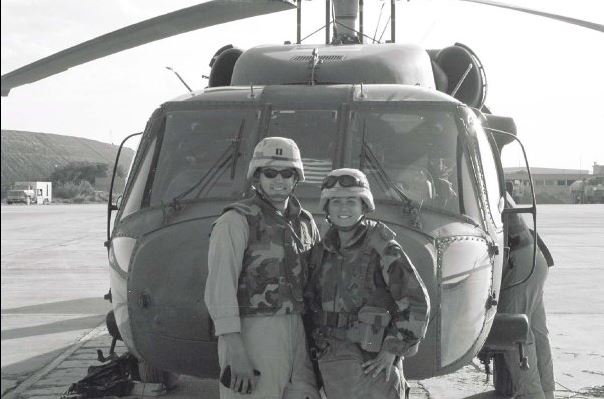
(337, 319)
(365, 327)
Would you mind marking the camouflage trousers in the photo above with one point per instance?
(343, 377)
(538, 381)
(276, 346)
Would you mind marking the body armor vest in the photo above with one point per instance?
(273, 275)
(346, 279)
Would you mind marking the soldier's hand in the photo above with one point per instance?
(383, 361)
(243, 379)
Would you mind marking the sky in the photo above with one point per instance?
(546, 74)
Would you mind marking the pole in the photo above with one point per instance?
(327, 20)
(299, 21)
(392, 21)
(361, 21)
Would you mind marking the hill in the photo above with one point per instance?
(29, 156)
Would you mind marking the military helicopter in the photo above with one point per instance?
(413, 119)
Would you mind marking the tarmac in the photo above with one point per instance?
(54, 276)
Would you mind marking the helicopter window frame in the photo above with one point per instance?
(339, 115)
(382, 106)
(240, 184)
(475, 130)
(154, 125)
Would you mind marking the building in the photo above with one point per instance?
(552, 186)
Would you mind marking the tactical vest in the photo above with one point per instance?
(345, 281)
(273, 274)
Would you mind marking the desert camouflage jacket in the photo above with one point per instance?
(273, 274)
(371, 269)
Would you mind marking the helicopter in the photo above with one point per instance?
(414, 120)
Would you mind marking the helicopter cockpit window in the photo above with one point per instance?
(315, 132)
(201, 154)
(491, 177)
(417, 150)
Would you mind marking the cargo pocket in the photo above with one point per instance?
(340, 377)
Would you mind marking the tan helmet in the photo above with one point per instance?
(354, 183)
(278, 152)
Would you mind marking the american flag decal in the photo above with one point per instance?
(315, 170)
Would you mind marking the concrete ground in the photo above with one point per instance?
(54, 275)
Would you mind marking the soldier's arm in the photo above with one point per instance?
(410, 321)
(225, 255)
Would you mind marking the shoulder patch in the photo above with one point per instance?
(379, 236)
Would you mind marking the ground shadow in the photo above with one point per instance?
(96, 305)
(28, 366)
(80, 323)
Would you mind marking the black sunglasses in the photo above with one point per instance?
(272, 173)
(344, 180)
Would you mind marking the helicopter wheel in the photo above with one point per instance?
(152, 374)
(502, 379)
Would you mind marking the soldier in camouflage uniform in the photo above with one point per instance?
(369, 306)
(254, 290)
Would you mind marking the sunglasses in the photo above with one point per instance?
(344, 180)
(272, 173)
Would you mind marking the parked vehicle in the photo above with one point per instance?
(30, 192)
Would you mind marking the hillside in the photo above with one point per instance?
(29, 156)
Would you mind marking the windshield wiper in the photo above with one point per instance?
(367, 155)
(230, 154)
(236, 145)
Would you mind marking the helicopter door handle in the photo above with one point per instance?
(144, 300)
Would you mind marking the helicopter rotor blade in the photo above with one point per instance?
(574, 21)
(185, 20)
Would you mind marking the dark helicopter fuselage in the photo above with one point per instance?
(434, 172)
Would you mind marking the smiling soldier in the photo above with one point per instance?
(254, 290)
(369, 306)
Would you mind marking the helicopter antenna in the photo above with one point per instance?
(180, 78)
(461, 80)
(315, 31)
(384, 31)
(378, 22)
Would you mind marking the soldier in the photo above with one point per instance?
(369, 306)
(538, 381)
(254, 290)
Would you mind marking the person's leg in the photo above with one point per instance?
(341, 370)
(267, 343)
(303, 382)
(525, 299)
(343, 376)
(544, 352)
(526, 384)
